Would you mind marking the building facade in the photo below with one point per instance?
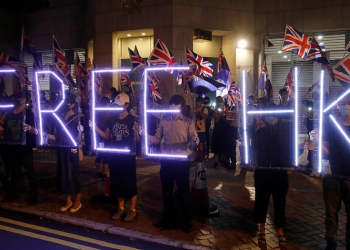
(104, 30)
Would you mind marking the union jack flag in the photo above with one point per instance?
(80, 74)
(234, 94)
(231, 100)
(15, 64)
(125, 80)
(137, 62)
(263, 73)
(154, 87)
(342, 71)
(289, 83)
(316, 54)
(296, 42)
(198, 64)
(232, 86)
(161, 56)
(28, 47)
(61, 65)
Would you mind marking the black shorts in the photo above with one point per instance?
(102, 157)
(122, 170)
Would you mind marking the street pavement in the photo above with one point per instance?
(231, 190)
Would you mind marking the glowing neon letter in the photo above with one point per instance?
(158, 111)
(109, 109)
(53, 112)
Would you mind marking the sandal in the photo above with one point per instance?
(262, 238)
(282, 240)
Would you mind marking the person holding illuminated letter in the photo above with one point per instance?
(336, 185)
(124, 131)
(178, 132)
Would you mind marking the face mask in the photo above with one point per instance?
(219, 105)
(344, 110)
(175, 107)
(284, 98)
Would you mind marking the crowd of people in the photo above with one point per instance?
(219, 130)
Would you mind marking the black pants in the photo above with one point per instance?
(5, 151)
(231, 138)
(178, 172)
(267, 183)
(22, 156)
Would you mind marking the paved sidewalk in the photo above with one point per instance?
(232, 190)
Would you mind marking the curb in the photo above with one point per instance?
(111, 229)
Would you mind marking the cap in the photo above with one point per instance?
(121, 99)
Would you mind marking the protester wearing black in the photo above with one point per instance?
(21, 155)
(269, 177)
(68, 172)
(123, 129)
(336, 186)
(177, 132)
(208, 127)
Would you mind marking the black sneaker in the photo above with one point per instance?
(187, 228)
(331, 245)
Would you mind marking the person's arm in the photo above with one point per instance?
(136, 131)
(104, 134)
(155, 139)
(304, 98)
(192, 134)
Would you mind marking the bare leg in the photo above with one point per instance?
(68, 201)
(121, 203)
(133, 203)
(262, 228)
(105, 169)
(77, 201)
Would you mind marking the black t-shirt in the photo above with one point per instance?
(266, 142)
(13, 128)
(30, 138)
(122, 132)
(339, 153)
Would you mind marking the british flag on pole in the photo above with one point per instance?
(162, 57)
(289, 83)
(61, 65)
(316, 54)
(296, 42)
(125, 80)
(21, 68)
(198, 64)
(154, 84)
(137, 62)
(342, 71)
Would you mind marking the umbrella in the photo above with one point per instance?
(203, 85)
